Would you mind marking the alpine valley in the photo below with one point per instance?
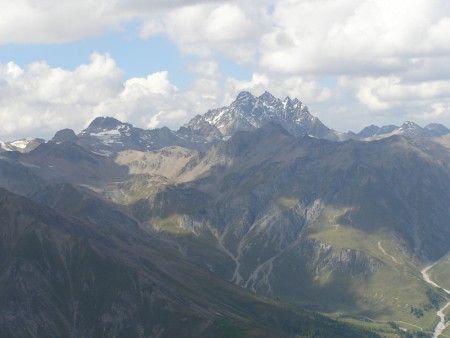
(252, 220)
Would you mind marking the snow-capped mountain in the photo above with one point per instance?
(249, 112)
(246, 113)
(22, 145)
(107, 135)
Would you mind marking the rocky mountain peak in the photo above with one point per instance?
(411, 129)
(287, 100)
(104, 123)
(268, 97)
(369, 131)
(436, 129)
(410, 125)
(248, 113)
(244, 95)
(244, 101)
(297, 104)
(65, 135)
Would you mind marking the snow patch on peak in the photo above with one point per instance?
(248, 112)
(267, 97)
(21, 144)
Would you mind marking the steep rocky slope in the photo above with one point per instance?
(303, 219)
(95, 276)
(248, 112)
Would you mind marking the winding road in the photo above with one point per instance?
(442, 325)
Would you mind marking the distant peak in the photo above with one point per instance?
(244, 95)
(104, 123)
(65, 135)
(266, 96)
(409, 124)
(437, 129)
(245, 100)
(437, 126)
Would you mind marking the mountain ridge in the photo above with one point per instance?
(108, 135)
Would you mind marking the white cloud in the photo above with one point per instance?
(155, 84)
(55, 21)
(52, 21)
(385, 100)
(433, 113)
(39, 100)
(204, 29)
(381, 93)
(142, 101)
(390, 60)
(205, 68)
(150, 28)
(353, 36)
(257, 83)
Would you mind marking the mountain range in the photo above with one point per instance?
(230, 226)
(247, 113)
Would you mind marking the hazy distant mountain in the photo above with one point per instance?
(247, 112)
(407, 129)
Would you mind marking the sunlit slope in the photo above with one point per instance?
(333, 226)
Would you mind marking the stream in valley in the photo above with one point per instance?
(442, 325)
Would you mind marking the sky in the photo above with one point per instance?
(157, 63)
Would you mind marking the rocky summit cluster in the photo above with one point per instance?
(245, 222)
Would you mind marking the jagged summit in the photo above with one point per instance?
(249, 112)
(246, 113)
(410, 128)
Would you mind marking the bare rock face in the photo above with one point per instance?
(248, 112)
(65, 135)
(327, 258)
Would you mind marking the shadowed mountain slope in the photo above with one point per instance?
(65, 276)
